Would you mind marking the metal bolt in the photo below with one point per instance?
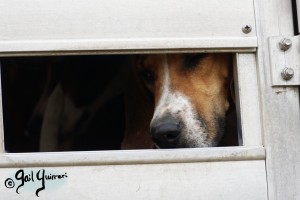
(247, 29)
(285, 44)
(287, 73)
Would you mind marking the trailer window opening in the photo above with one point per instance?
(84, 103)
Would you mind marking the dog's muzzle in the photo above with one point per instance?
(166, 132)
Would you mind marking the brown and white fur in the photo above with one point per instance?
(180, 100)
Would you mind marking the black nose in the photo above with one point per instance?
(166, 131)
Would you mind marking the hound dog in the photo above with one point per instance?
(77, 111)
(178, 101)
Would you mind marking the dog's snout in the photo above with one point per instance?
(166, 132)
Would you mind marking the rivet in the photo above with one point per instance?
(247, 29)
(287, 73)
(285, 44)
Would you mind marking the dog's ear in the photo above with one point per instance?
(139, 111)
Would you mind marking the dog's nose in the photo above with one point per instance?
(166, 132)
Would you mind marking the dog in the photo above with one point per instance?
(76, 110)
(179, 101)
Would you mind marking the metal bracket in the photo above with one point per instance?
(285, 60)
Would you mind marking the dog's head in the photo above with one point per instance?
(190, 96)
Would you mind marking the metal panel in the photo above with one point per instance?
(62, 26)
(247, 99)
(132, 157)
(280, 106)
(144, 174)
(234, 180)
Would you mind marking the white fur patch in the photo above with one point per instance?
(194, 131)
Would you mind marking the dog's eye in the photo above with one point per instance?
(192, 60)
(147, 76)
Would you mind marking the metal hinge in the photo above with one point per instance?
(285, 60)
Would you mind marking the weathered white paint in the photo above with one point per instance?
(247, 99)
(280, 106)
(279, 109)
(128, 51)
(1, 118)
(53, 25)
(71, 47)
(131, 157)
(234, 180)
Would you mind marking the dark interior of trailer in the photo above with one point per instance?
(92, 123)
